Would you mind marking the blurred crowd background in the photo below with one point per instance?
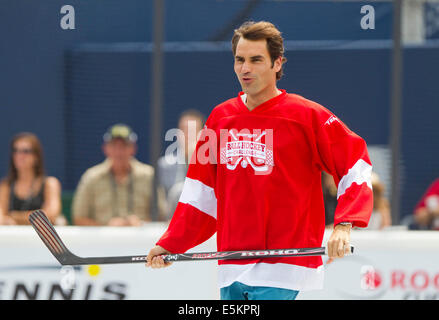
(73, 98)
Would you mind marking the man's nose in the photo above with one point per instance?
(246, 68)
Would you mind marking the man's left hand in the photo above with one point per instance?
(339, 242)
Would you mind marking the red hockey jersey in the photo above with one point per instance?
(255, 179)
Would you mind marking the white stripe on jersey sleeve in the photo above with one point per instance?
(199, 195)
(361, 172)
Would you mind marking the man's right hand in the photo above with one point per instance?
(154, 259)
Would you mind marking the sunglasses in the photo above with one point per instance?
(25, 151)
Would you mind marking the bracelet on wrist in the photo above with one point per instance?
(345, 224)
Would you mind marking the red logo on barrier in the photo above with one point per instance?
(371, 279)
(417, 280)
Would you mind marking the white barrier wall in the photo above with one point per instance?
(29, 271)
(386, 265)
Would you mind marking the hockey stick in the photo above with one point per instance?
(53, 242)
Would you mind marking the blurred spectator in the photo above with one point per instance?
(330, 198)
(381, 217)
(118, 191)
(172, 168)
(426, 214)
(26, 187)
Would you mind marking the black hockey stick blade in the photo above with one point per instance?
(51, 239)
(53, 242)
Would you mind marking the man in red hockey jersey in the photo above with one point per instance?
(261, 186)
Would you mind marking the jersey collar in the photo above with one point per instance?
(263, 106)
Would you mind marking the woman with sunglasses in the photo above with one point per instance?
(26, 187)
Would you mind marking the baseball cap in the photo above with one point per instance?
(120, 131)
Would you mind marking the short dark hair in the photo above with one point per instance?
(251, 30)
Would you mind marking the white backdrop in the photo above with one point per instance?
(387, 265)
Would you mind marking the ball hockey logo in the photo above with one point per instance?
(247, 149)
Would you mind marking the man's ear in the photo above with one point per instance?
(277, 64)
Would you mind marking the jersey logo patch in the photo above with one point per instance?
(249, 150)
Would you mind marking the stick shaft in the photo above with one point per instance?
(245, 254)
(203, 256)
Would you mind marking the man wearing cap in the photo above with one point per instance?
(118, 191)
